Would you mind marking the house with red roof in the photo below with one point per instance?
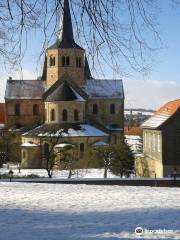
(161, 143)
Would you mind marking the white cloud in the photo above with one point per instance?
(150, 93)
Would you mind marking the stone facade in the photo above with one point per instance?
(32, 157)
(66, 97)
(24, 112)
(70, 106)
(58, 70)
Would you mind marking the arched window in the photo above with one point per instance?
(78, 62)
(35, 109)
(67, 61)
(63, 61)
(46, 149)
(17, 109)
(81, 147)
(52, 117)
(52, 61)
(95, 109)
(24, 154)
(64, 115)
(76, 115)
(112, 109)
(45, 115)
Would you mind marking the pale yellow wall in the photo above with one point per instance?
(32, 158)
(33, 155)
(56, 72)
(70, 106)
(104, 115)
(146, 167)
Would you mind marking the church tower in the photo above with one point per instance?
(65, 57)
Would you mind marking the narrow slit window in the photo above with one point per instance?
(112, 109)
(64, 115)
(17, 109)
(76, 115)
(95, 109)
(53, 115)
(35, 109)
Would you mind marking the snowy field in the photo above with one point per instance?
(80, 212)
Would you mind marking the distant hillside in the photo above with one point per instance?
(139, 110)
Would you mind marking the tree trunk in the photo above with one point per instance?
(70, 173)
(49, 173)
(105, 172)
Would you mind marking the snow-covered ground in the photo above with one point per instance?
(81, 212)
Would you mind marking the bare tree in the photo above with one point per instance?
(102, 157)
(116, 31)
(68, 158)
(49, 140)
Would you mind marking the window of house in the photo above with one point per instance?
(158, 143)
(76, 115)
(95, 109)
(17, 109)
(150, 140)
(78, 62)
(82, 147)
(24, 154)
(112, 109)
(53, 115)
(154, 142)
(52, 61)
(35, 109)
(64, 115)
(65, 61)
(145, 139)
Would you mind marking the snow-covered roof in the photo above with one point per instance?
(63, 145)
(28, 144)
(162, 115)
(24, 89)
(100, 88)
(68, 130)
(100, 143)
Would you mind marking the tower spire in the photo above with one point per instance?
(66, 29)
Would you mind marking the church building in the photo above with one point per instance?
(66, 104)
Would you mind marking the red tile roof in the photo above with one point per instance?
(162, 115)
(133, 131)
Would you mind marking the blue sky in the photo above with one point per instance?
(163, 84)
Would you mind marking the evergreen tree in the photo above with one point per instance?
(122, 163)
